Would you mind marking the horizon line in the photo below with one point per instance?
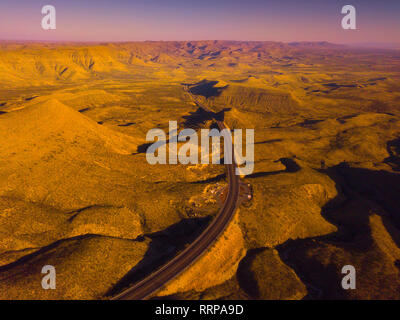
(360, 45)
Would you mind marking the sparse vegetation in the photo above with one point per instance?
(76, 191)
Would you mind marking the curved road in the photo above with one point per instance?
(183, 260)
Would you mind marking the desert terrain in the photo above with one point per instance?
(77, 193)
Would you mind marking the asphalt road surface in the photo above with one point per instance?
(153, 282)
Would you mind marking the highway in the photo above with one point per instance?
(148, 286)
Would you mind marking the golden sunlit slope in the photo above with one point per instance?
(36, 125)
(88, 98)
(46, 64)
(51, 160)
(55, 158)
(77, 192)
(52, 189)
(294, 191)
(368, 238)
(69, 185)
(82, 271)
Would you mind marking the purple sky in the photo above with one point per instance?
(276, 20)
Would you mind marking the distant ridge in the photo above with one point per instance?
(376, 45)
(44, 62)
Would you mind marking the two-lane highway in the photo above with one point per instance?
(186, 258)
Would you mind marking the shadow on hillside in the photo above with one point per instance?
(309, 122)
(290, 164)
(361, 192)
(220, 116)
(143, 147)
(217, 178)
(206, 89)
(198, 118)
(268, 141)
(163, 247)
(245, 276)
(393, 148)
(29, 260)
(31, 98)
(128, 124)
